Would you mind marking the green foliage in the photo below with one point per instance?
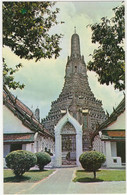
(26, 27)
(108, 61)
(26, 30)
(8, 78)
(92, 161)
(48, 151)
(20, 161)
(43, 159)
(30, 176)
(102, 175)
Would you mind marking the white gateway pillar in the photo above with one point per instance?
(58, 145)
(58, 154)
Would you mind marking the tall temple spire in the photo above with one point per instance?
(75, 45)
(77, 97)
(75, 29)
(75, 63)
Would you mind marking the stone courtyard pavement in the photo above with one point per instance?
(60, 182)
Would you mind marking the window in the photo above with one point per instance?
(115, 160)
(121, 150)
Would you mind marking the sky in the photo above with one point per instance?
(44, 79)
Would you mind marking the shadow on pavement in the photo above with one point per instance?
(87, 179)
(38, 170)
(16, 179)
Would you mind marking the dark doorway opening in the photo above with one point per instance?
(121, 151)
(15, 147)
(69, 149)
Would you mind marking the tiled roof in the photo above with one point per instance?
(116, 133)
(112, 118)
(113, 135)
(23, 113)
(13, 100)
(18, 138)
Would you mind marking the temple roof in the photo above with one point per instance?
(113, 135)
(112, 118)
(19, 137)
(23, 113)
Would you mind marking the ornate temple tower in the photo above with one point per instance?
(77, 99)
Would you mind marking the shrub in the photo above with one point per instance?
(20, 161)
(43, 159)
(50, 153)
(92, 161)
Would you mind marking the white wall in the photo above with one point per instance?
(6, 149)
(113, 149)
(98, 144)
(11, 124)
(23, 146)
(118, 124)
(28, 147)
(41, 142)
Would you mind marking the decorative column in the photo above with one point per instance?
(114, 149)
(108, 154)
(78, 147)
(58, 155)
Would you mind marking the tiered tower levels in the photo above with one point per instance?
(77, 97)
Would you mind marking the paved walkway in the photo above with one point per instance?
(60, 182)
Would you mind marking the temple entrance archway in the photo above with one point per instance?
(68, 136)
(76, 138)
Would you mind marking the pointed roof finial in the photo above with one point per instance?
(75, 29)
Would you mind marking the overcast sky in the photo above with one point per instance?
(44, 79)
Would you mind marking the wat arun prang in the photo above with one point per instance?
(77, 98)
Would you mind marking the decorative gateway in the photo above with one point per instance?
(109, 138)
(78, 106)
(22, 131)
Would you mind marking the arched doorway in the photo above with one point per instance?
(58, 138)
(68, 136)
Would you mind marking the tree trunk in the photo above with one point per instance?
(94, 174)
(41, 168)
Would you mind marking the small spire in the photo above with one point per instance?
(75, 29)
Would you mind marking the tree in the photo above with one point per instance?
(92, 161)
(43, 158)
(108, 61)
(26, 29)
(8, 78)
(20, 161)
